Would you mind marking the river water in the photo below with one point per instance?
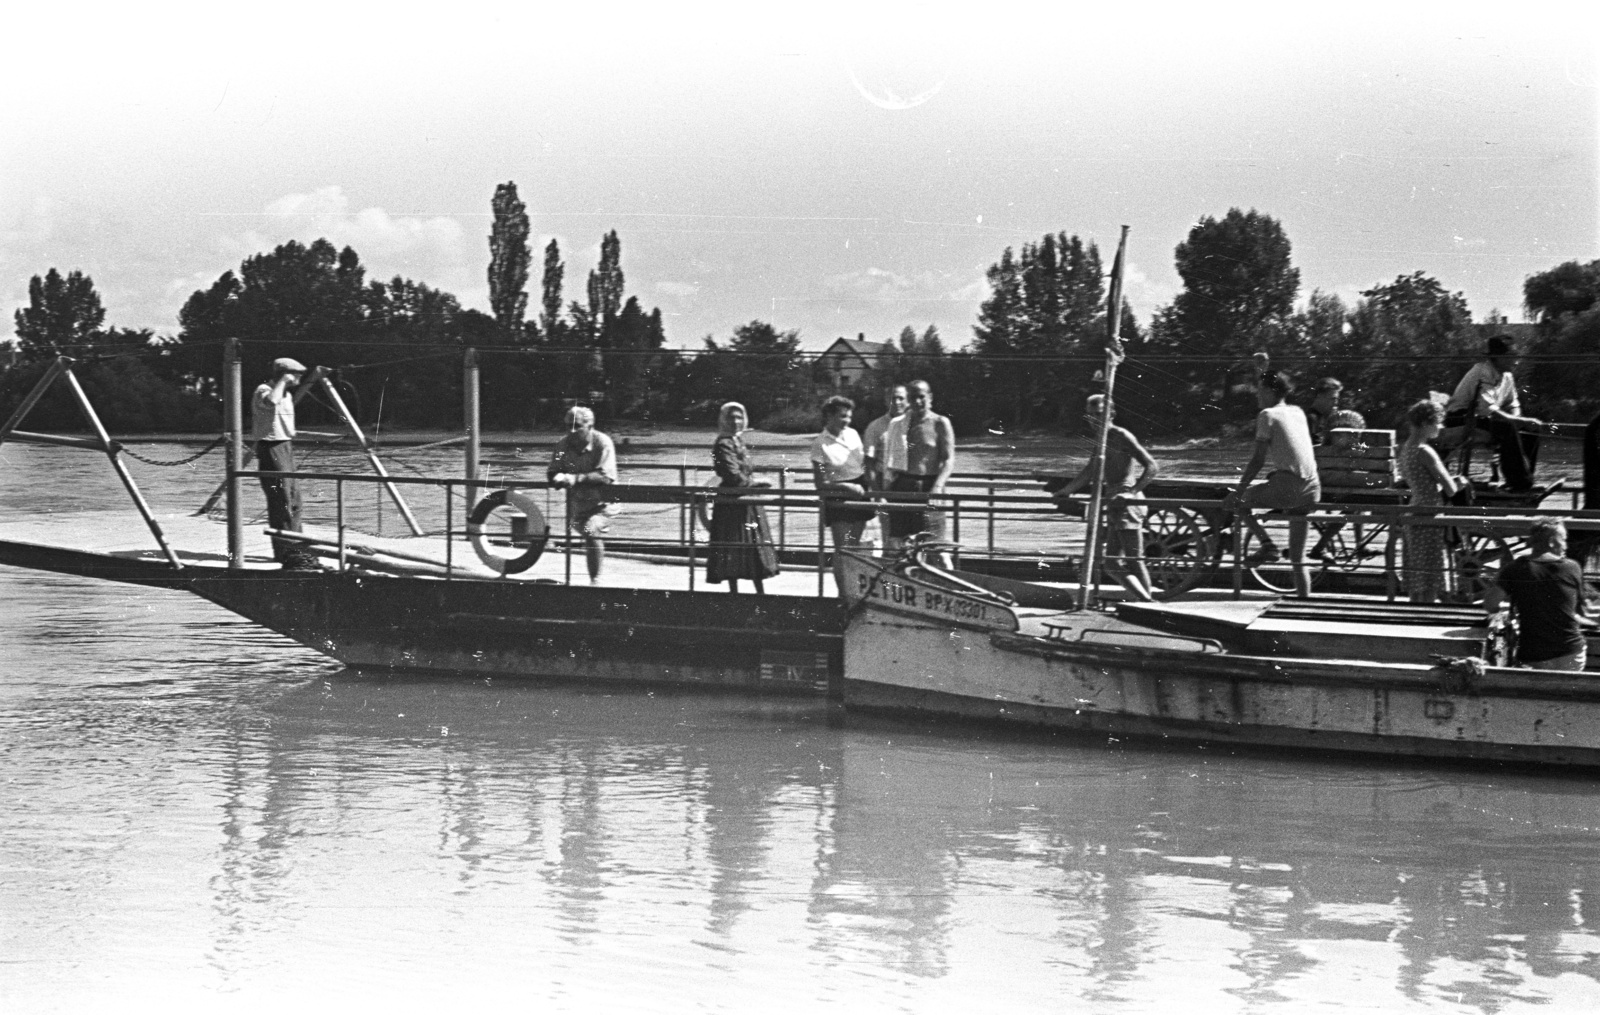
(197, 812)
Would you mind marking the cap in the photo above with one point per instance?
(285, 365)
(1499, 345)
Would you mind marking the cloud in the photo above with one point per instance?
(431, 249)
(677, 288)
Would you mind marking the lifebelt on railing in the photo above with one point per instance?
(538, 531)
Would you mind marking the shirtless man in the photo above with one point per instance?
(930, 456)
(1126, 517)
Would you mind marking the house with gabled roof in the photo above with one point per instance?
(849, 362)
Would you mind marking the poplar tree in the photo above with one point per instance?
(509, 258)
(554, 271)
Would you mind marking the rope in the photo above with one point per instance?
(214, 445)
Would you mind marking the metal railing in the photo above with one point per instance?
(979, 500)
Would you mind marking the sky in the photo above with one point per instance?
(839, 169)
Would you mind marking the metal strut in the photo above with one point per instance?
(101, 441)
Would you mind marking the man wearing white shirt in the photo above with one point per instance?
(879, 457)
(1293, 486)
(272, 431)
(1486, 399)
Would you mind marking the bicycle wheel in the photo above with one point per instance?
(1278, 576)
(1477, 559)
(1181, 549)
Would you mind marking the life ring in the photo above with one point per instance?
(538, 530)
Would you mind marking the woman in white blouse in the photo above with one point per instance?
(838, 468)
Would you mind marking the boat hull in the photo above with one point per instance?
(787, 645)
(1128, 681)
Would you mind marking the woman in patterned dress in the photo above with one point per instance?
(741, 542)
(1431, 484)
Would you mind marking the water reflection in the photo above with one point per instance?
(756, 833)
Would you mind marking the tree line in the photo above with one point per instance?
(1034, 353)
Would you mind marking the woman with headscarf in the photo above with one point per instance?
(741, 542)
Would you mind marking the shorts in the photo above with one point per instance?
(1129, 516)
(593, 522)
(902, 522)
(1284, 491)
(836, 510)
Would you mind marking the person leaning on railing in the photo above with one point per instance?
(585, 463)
(1546, 591)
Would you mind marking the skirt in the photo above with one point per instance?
(741, 543)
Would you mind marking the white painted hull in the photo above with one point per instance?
(1162, 686)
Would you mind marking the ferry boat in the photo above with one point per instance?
(1338, 675)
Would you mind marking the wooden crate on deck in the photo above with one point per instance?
(1359, 459)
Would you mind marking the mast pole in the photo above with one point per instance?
(470, 419)
(233, 414)
(1088, 576)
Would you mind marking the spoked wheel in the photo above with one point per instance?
(1478, 558)
(1182, 547)
(1278, 576)
(1344, 548)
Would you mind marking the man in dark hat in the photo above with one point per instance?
(1486, 399)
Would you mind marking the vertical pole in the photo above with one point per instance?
(783, 484)
(470, 420)
(1238, 553)
(822, 550)
(683, 508)
(955, 531)
(449, 531)
(1089, 576)
(233, 412)
(991, 518)
(338, 497)
(690, 500)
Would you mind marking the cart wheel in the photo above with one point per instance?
(1182, 548)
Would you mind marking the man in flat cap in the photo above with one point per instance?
(272, 431)
(1486, 399)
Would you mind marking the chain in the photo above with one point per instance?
(182, 461)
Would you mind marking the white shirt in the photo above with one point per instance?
(1288, 438)
(1484, 389)
(270, 419)
(843, 458)
(890, 456)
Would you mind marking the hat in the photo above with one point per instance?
(1499, 345)
(285, 365)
